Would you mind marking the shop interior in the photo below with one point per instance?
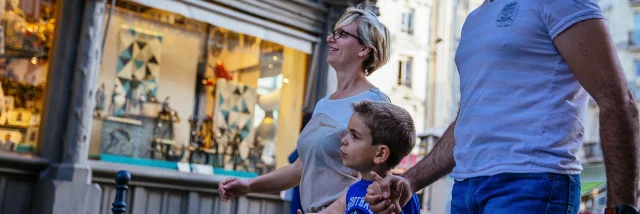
(26, 33)
(181, 94)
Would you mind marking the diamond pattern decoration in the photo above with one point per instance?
(234, 112)
(139, 55)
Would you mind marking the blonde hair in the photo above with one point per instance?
(373, 34)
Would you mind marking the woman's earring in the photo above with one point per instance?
(366, 72)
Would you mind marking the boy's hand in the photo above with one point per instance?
(387, 195)
(233, 188)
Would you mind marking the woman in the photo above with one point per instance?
(358, 46)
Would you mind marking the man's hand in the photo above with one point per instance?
(233, 188)
(396, 193)
(388, 195)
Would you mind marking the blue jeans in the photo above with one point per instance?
(517, 193)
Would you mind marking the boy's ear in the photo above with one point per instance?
(382, 154)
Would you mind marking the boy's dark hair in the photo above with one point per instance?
(390, 125)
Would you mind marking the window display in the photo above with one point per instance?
(26, 32)
(174, 90)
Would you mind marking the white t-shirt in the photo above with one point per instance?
(522, 109)
(341, 110)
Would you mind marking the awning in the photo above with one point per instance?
(588, 187)
(236, 21)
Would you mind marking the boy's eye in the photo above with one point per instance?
(354, 136)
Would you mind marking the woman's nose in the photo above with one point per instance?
(344, 141)
(330, 39)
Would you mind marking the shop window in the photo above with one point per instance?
(407, 21)
(184, 95)
(635, 35)
(26, 35)
(592, 152)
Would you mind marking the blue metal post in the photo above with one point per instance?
(122, 179)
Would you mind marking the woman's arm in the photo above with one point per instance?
(281, 179)
(278, 180)
(337, 206)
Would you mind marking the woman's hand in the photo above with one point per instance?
(233, 187)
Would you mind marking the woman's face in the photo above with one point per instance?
(345, 46)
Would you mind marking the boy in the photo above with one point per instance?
(380, 135)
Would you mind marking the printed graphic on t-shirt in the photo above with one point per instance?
(508, 14)
(357, 205)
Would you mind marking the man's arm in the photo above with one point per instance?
(588, 49)
(438, 163)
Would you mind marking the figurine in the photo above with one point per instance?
(135, 97)
(14, 7)
(8, 144)
(15, 22)
(116, 101)
(99, 101)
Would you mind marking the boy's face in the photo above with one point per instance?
(357, 148)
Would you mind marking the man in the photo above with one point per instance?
(526, 70)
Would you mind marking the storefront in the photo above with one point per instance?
(26, 47)
(182, 94)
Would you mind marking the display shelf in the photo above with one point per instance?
(24, 148)
(168, 165)
(21, 53)
(7, 126)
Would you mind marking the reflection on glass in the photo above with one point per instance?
(246, 101)
(25, 39)
(269, 84)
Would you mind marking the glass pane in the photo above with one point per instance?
(407, 72)
(25, 43)
(636, 33)
(410, 22)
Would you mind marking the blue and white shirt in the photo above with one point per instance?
(522, 109)
(356, 205)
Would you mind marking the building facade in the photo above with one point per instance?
(409, 24)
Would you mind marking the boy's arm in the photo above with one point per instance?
(337, 206)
